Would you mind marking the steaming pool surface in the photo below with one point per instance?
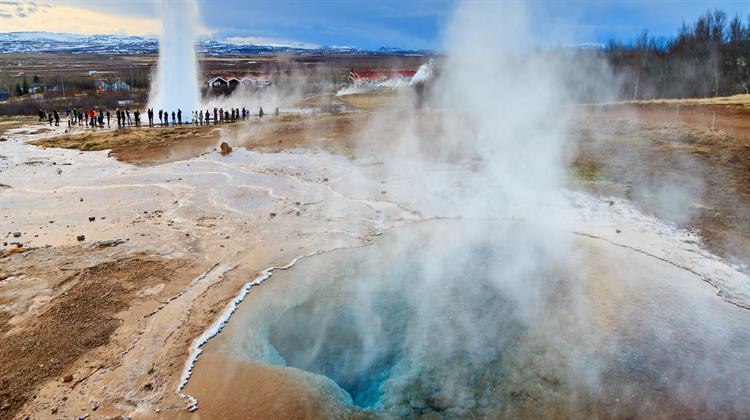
(462, 319)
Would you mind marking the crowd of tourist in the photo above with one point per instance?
(98, 117)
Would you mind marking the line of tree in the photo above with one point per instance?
(710, 57)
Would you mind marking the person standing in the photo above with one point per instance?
(174, 119)
(127, 113)
(161, 115)
(179, 116)
(260, 112)
(57, 119)
(137, 115)
(108, 116)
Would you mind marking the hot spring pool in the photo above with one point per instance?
(494, 319)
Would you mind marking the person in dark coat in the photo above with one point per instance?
(179, 116)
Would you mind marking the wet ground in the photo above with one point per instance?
(221, 219)
(600, 330)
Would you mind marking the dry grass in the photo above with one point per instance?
(370, 101)
(742, 100)
(8, 123)
(141, 145)
(696, 177)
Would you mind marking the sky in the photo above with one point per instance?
(364, 24)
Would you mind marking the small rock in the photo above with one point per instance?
(225, 148)
(147, 386)
(16, 234)
(68, 377)
(617, 230)
(53, 410)
(81, 199)
(94, 406)
(110, 243)
(272, 215)
(325, 179)
(81, 238)
(92, 218)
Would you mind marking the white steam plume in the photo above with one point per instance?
(176, 83)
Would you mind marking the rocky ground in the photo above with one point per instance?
(111, 270)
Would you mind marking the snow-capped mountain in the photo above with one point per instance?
(52, 42)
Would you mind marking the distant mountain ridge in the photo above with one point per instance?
(57, 43)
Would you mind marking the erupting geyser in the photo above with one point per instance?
(176, 83)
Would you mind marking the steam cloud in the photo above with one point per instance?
(176, 83)
(492, 311)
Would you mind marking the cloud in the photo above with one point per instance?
(30, 16)
(272, 42)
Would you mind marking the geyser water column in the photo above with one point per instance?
(176, 83)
